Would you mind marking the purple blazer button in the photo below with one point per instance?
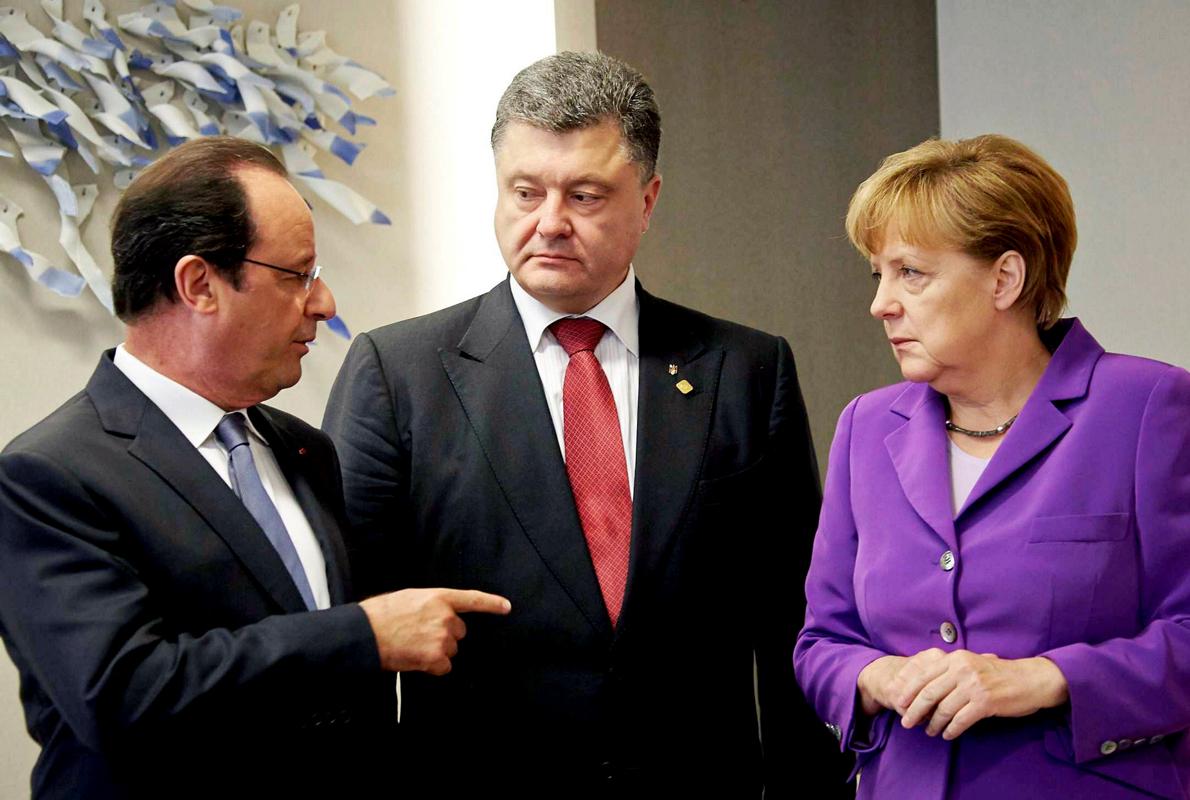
(948, 631)
(1108, 747)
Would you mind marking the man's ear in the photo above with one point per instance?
(652, 192)
(197, 285)
(1010, 271)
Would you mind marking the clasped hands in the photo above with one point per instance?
(951, 691)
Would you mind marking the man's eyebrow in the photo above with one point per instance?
(581, 180)
(591, 180)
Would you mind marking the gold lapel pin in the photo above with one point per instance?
(685, 387)
(673, 369)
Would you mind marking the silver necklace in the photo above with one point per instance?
(996, 431)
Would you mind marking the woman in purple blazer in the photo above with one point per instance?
(999, 598)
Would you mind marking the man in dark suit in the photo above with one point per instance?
(636, 476)
(170, 550)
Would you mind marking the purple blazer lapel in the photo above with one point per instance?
(1042, 422)
(919, 455)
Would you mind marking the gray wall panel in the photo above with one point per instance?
(773, 112)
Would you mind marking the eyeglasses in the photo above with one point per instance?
(309, 277)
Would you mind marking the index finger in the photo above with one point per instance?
(928, 702)
(470, 600)
(919, 670)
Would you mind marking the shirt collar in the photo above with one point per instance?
(192, 414)
(619, 311)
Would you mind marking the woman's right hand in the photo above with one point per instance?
(882, 683)
(877, 684)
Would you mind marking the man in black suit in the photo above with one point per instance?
(636, 476)
(170, 550)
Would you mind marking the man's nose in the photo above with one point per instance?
(553, 222)
(320, 303)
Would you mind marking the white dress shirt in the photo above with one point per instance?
(196, 417)
(618, 353)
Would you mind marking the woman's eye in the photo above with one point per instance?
(875, 277)
(910, 272)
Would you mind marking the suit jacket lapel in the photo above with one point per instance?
(672, 431)
(918, 450)
(1041, 422)
(290, 455)
(496, 380)
(158, 444)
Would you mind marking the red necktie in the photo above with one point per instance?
(595, 458)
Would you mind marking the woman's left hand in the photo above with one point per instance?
(961, 688)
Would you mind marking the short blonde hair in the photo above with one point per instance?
(983, 196)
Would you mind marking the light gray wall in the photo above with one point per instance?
(1101, 88)
(773, 112)
(574, 25)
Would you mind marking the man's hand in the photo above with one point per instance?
(950, 692)
(419, 629)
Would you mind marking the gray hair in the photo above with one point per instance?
(569, 91)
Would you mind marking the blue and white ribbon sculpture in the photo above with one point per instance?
(114, 97)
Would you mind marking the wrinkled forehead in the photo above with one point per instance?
(606, 133)
(529, 148)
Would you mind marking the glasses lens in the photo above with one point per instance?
(313, 276)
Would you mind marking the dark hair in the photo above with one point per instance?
(569, 91)
(188, 202)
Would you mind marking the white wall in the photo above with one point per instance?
(1101, 88)
(428, 165)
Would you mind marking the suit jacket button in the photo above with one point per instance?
(1156, 739)
(1108, 747)
(949, 632)
(946, 561)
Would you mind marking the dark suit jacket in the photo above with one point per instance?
(163, 649)
(453, 476)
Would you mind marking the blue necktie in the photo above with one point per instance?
(245, 482)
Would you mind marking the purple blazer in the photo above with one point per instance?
(1074, 545)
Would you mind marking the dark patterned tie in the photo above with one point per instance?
(245, 481)
(595, 461)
